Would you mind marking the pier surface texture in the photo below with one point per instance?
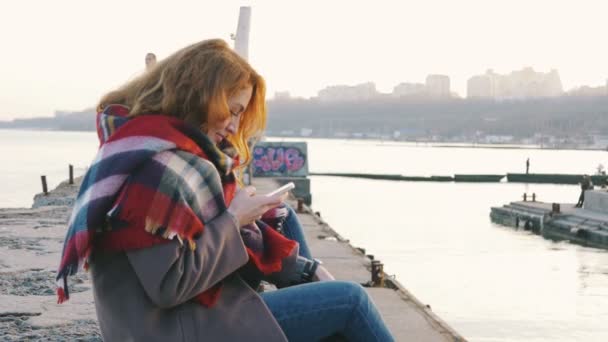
(30, 246)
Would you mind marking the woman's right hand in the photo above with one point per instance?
(322, 274)
(247, 207)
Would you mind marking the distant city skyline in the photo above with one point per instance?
(64, 55)
(526, 83)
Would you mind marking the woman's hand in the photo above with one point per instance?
(247, 207)
(322, 274)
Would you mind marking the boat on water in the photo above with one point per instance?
(553, 178)
(387, 177)
(478, 178)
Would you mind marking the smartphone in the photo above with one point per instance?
(282, 189)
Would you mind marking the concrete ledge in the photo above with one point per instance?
(596, 200)
(407, 318)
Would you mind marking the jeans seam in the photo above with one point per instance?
(364, 319)
(303, 313)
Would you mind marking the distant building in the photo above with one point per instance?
(438, 86)
(282, 95)
(481, 86)
(306, 132)
(588, 91)
(498, 139)
(521, 84)
(435, 86)
(409, 89)
(339, 93)
(600, 141)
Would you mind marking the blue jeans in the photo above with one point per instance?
(292, 229)
(315, 311)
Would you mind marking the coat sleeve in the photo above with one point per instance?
(172, 273)
(291, 271)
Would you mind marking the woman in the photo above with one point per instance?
(175, 248)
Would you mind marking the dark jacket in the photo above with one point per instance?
(145, 295)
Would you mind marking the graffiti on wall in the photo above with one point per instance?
(284, 159)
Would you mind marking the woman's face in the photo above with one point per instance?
(218, 131)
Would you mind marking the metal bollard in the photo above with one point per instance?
(300, 205)
(44, 188)
(377, 274)
(71, 174)
(533, 197)
(525, 196)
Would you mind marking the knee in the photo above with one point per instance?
(355, 292)
(290, 214)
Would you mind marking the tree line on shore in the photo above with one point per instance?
(560, 116)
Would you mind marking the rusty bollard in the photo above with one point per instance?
(533, 197)
(555, 208)
(71, 174)
(44, 188)
(525, 196)
(377, 273)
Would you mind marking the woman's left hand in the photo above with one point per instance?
(322, 274)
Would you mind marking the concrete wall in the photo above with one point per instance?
(286, 162)
(596, 200)
(280, 159)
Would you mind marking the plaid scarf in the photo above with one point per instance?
(123, 206)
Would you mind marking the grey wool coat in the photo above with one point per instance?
(145, 295)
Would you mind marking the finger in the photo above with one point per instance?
(277, 199)
(271, 204)
(266, 208)
(250, 190)
(284, 196)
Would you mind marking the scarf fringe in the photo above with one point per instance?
(277, 247)
(62, 288)
(61, 297)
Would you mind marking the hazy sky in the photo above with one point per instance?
(65, 54)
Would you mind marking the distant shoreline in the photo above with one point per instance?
(381, 142)
(410, 143)
(522, 147)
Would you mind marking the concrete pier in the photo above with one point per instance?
(31, 240)
(407, 318)
(30, 247)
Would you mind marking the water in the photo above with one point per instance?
(489, 282)
(27, 155)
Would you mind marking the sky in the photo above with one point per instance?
(64, 54)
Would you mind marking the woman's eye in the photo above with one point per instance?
(234, 113)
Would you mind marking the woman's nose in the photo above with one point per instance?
(232, 127)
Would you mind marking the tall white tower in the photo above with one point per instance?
(241, 40)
